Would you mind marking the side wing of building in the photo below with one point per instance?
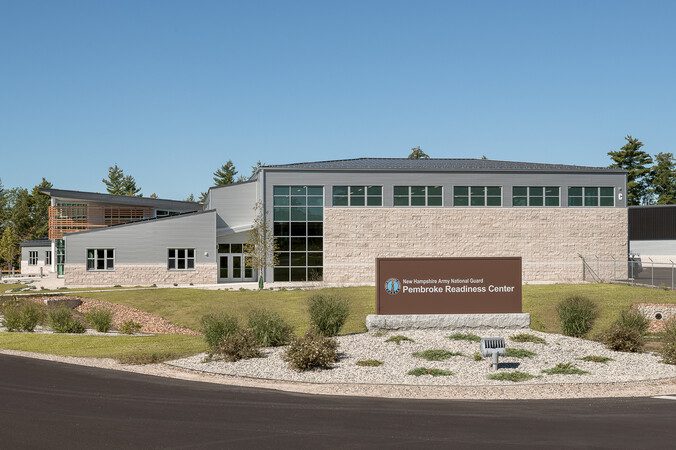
(179, 249)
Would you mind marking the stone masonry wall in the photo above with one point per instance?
(128, 275)
(548, 240)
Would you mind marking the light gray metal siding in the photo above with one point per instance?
(41, 252)
(147, 242)
(234, 204)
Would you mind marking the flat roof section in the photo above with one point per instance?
(158, 203)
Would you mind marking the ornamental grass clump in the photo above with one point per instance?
(436, 354)
(369, 363)
(577, 315)
(62, 320)
(23, 316)
(669, 342)
(130, 327)
(269, 328)
(398, 339)
(328, 313)
(471, 337)
(101, 319)
(242, 344)
(512, 352)
(627, 333)
(596, 359)
(215, 327)
(421, 371)
(565, 369)
(527, 337)
(513, 376)
(311, 351)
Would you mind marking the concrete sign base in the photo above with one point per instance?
(446, 321)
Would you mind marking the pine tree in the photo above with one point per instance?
(115, 182)
(203, 198)
(40, 210)
(129, 187)
(3, 206)
(9, 247)
(417, 153)
(153, 195)
(190, 198)
(225, 174)
(256, 167)
(637, 163)
(20, 219)
(663, 178)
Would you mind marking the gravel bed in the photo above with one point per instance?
(399, 359)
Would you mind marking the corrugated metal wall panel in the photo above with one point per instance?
(652, 223)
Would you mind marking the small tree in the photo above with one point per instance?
(225, 175)
(637, 163)
(261, 246)
(663, 178)
(417, 153)
(118, 183)
(40, 210)
(190, 198)
(9, 247)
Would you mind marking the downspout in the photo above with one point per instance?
(265, 218)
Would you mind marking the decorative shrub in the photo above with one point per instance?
(596, 359)
(627, 334)
(512, 352)
(577, 315)
(100, 319)
(369, 363)
(269, 328)
(565, 369)
(527, 337)
(436, 354)
(477, 356)
(513, 376)
(241, 344)
(130, 327)
(215, 328)
(62, 320)
(23, 316)
(420, 371)
(471, 337)
(669, 341)
(312, 351)
(328, 313)
(398, 339)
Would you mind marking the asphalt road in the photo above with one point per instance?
(52, 405)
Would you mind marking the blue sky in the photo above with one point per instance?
(171, 90)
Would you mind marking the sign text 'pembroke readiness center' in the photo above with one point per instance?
(448, 285)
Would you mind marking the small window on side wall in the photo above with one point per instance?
(100, 259)
(181, 259)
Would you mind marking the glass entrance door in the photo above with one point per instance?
(232, 267)
(223, 267)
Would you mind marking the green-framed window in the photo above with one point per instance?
(536, 196)
(591, 196)
(418, 196)
(298, 227)
(477, 196)
(357, 196)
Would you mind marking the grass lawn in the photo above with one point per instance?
(541, 300)
(166, 346)
(8, 287)
(185, 306)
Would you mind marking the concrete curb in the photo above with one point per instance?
(647, 388)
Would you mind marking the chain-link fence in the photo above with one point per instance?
(635, 270)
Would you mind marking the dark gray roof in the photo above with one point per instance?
(122, 199)
(439, 165)
(36, 243)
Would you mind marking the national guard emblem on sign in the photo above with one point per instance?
(392, 286)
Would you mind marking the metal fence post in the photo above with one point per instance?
(598, 267)
(652, 272)
(614, 268)
(672, 274)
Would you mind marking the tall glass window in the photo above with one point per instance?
(535, 196)
(298, 216)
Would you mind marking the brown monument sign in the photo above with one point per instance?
(448, 285)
